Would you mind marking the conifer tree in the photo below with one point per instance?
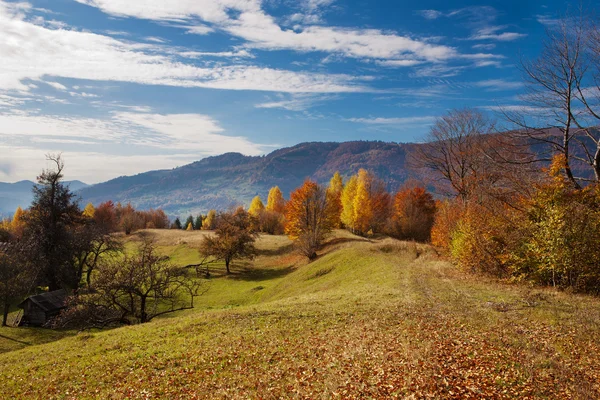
(198, 223)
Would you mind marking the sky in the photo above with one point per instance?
(120, 87)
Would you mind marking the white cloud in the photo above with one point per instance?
(191, 135)
(262, 31)
(84, 55)
(225, 54)
(57, 85)
(155, 39)
(498, 84)
(491, 33)
(299, 102)
(484, 46)
(394, 121)
(398, 63)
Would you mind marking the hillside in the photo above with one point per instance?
(368, 319)
(13, 195)
(229, 179)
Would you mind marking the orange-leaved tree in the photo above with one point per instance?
(414, 212)
(310, 217)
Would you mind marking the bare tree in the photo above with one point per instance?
(453, 154)
(553, 112)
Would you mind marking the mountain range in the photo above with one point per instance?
(230, 179)
(13, 195)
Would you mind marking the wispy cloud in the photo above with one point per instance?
(393, 121)
(498, 85)
(430, 14)
(296, 102)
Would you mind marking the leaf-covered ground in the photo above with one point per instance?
(378, 319)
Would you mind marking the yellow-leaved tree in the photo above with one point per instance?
(256, 207)
(17, 225)
(89, 211)
(275, 201)
(348, 194)
(208, 223)
(363, 211)
(334, 192)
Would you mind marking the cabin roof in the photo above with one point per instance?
(49, 301)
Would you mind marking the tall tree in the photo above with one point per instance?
(189, 223)
(348, 195)
(363, 211)
(209, 222)
(17, 224)
(334, 191)
(414, 213)
(177, 224)
(51, 226)
(275, 201)
(310, 217)
(453, 154)
(198, 223)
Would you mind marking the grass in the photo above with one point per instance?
(367, 319)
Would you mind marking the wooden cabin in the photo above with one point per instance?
(39, 309)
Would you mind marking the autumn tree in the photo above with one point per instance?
(348, 195)
(89, 210)
(275, 201)
(363, 211)
(190, 227)
(256, 207)
(334, 191)
(414, 213)
(310, 217)
(105, 217)
(233, 238)
(208, 223)
(17, 224)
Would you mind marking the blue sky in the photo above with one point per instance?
(122, 87)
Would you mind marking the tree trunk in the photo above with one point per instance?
(5, 313)
(227, 261)
(143, 316)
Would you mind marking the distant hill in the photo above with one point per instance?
(232, 178)
(13, 195)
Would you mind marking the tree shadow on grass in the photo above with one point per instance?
(257, 275)
(279, 251)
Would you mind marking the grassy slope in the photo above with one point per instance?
(367, 319)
